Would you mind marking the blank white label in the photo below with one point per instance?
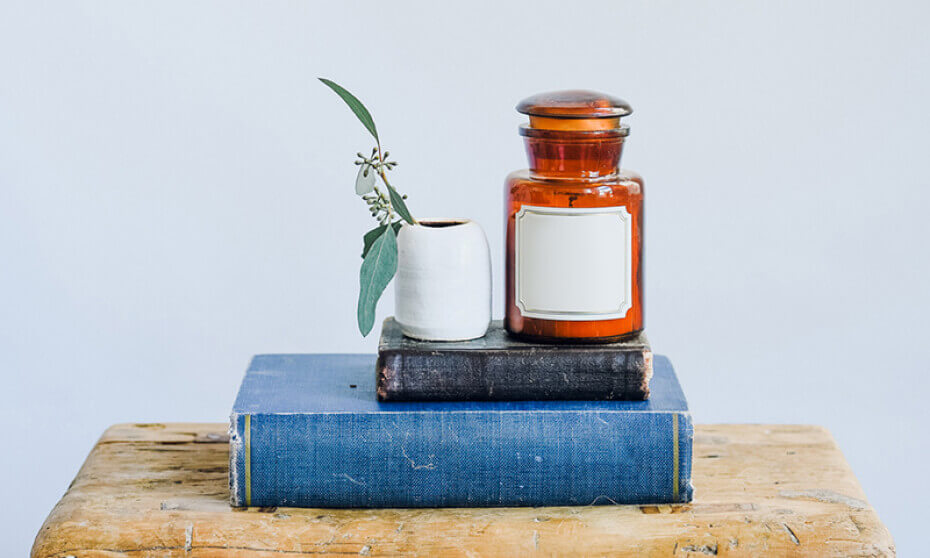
(573, 264)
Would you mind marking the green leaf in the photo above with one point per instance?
(397, 201)
(357, 107)
(374, 233)
(378, 269)
(365, 181)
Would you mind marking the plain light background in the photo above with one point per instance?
(176, 195)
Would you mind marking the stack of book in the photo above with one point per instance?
(490, 422)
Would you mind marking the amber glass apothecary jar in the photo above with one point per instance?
(574, 224)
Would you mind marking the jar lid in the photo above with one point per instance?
(574, 103)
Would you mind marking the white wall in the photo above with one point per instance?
(176, 195)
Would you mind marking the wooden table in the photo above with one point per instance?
(161, 490)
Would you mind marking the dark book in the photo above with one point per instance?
(308, 431)
(498, 367)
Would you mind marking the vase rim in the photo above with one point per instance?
(442, 222)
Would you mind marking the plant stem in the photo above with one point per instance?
(384, 176)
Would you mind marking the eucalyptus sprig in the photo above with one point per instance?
(388, 208)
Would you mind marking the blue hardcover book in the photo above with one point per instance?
(308, 431)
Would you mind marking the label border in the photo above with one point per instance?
(610, 314)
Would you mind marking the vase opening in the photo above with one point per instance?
(442, 223)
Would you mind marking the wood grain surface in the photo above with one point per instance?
(162, 490)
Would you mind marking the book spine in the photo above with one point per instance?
(460, 459)
(565, 374)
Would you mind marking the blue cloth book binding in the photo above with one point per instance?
(308, 431)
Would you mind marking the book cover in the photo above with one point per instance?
(498, 367)
(309, 431)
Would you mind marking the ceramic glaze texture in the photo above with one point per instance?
(443, 284)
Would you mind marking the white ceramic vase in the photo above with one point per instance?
(442, 289)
